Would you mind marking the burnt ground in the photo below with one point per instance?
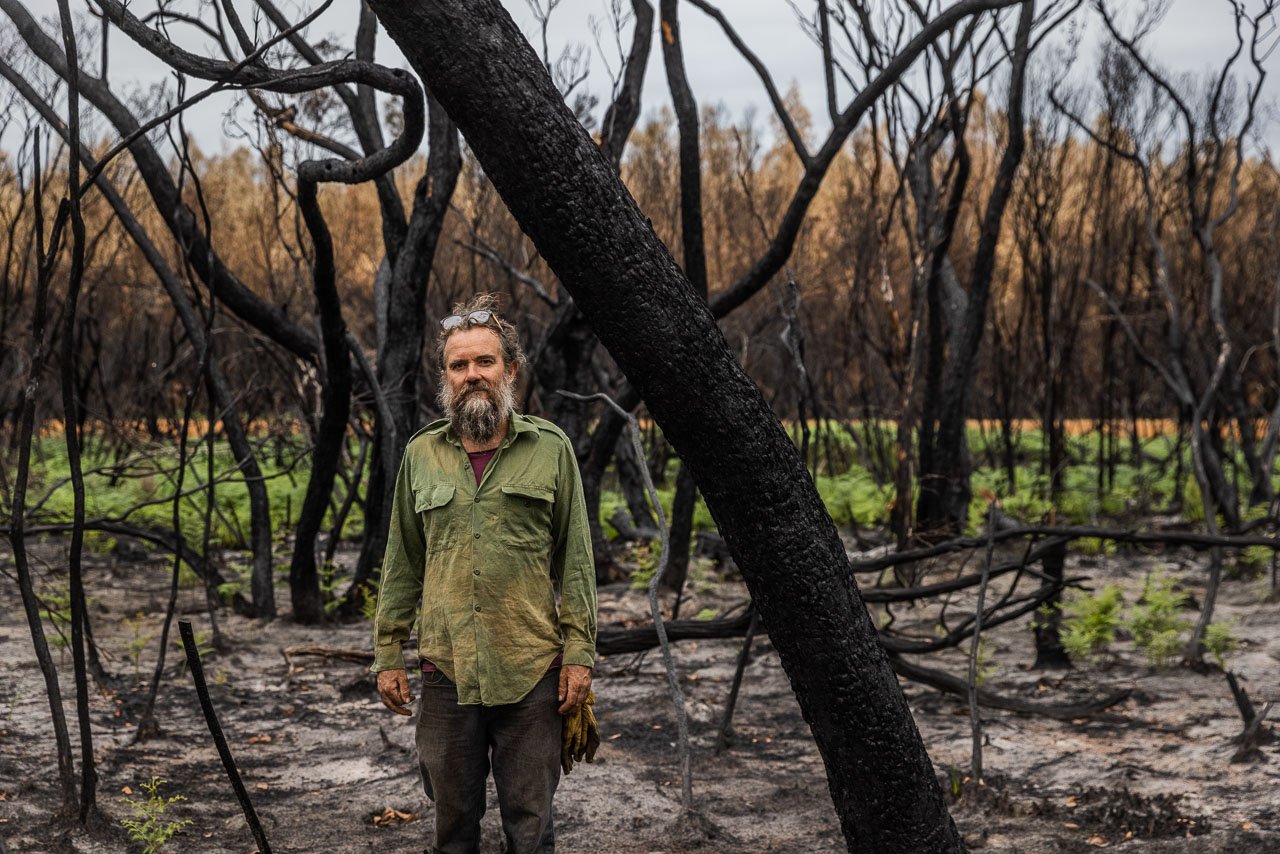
(321, 757)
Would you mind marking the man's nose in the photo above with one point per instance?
(474, 373)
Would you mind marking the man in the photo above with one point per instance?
(488, 519)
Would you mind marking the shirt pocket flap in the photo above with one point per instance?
(431, 497)
(526, 490)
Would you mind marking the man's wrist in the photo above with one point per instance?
(583, 656)
(387, 657)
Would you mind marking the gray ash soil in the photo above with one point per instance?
(321, 757)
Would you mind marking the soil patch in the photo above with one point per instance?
(330, 770)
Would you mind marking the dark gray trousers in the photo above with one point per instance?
(457, 745)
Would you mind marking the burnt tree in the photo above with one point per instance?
(567, 197)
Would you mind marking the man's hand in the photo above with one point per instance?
(575, 682)
(393, 687)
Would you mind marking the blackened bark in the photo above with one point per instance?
(400, 350)
(71, 427)
(620, 118)
(568, 199)
(599, 451)
(694, 260)
(304, 579)
(154, 172)
(17, 534)
(564, 360)
(944, 481)
(631, 483)
(683, 505)
(686, 109)
(225, 400)
(374, 544)
(1048, 621)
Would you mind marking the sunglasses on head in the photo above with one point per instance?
(482, 317)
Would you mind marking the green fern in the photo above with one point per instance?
(1090, 622)
(1158, 627)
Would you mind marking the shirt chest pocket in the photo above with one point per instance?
(525, 517)
(441, 522)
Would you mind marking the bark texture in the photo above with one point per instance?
(564, 193)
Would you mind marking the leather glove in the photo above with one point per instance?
(581, 735)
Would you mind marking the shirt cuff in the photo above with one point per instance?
(580, 653)
(387, 657)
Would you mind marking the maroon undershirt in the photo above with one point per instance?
(480, 461)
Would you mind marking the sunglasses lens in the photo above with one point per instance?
(454, 321)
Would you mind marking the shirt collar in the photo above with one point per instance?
(520, 423)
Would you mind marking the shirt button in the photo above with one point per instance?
(475, 572)
(477, 535)
(477, 607)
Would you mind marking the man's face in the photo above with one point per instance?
(477, 393)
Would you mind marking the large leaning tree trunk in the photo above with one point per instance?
(566, 196)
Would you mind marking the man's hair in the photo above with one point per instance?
(512, 353)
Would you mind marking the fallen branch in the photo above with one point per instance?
(949, 684)
(1191, 539)
(609, 640)
(355, 656)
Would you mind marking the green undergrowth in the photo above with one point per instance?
(137, 489)
(1158, 621)
(851, 464)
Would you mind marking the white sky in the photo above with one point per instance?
(1194, 36)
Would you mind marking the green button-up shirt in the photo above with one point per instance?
(480, 565)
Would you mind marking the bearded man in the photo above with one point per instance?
(487, 522)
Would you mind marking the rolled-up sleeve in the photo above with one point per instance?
(400, 589)
(572, 564)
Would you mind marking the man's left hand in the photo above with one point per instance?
(575, 682)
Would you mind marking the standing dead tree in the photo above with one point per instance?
(409, 240)
(185, 226)
(957, 318)
(46, 253)
(1211, 128)
(567, 197)
(303, 576)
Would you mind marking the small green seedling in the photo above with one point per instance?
(149, 826)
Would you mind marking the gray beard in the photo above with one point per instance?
(477, 417)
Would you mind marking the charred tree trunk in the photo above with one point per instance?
(304, 579)
(71, 408)
(400, 349)
(694, 258)
(600, 450)
(944, 481)
(566, 196)
(631, 483)
(564, 361)
(1048, 621)
(17, 536)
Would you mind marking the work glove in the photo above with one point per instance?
(581, 735)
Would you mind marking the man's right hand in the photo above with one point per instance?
(393, 687)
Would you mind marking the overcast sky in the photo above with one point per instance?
(1195, 36)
